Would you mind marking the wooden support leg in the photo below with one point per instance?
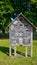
(10, 51)
(14, 50)
(31, 41)
(31, 51)
(26, 52)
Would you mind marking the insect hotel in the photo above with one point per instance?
(21, 33)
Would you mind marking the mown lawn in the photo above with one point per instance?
(20, 58)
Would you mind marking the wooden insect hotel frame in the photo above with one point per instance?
(21, 33)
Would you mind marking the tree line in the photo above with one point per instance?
(11, 8)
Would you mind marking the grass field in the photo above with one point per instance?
(18, 60)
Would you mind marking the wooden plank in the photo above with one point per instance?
(14, 50)
(31, 42)
(26, 52)
(9, 50)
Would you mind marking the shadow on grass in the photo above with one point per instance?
(6, 51)
(23, 54)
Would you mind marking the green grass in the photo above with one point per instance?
(19, 59)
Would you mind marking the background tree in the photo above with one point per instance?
(11, 8)
(5, 13)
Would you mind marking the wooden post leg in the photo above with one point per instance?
(31, 51)
(26, 52)
(14, 50)
(10, 51)
(31, 41)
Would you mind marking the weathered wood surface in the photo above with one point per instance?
(20, 33)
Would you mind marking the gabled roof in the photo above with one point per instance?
(25, 19)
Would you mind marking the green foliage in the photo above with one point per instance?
(5, 12)
(31, 16)
(27, 7)
(11, 8)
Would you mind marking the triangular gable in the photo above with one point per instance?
(24, 18)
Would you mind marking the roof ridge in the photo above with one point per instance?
(25, 18)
